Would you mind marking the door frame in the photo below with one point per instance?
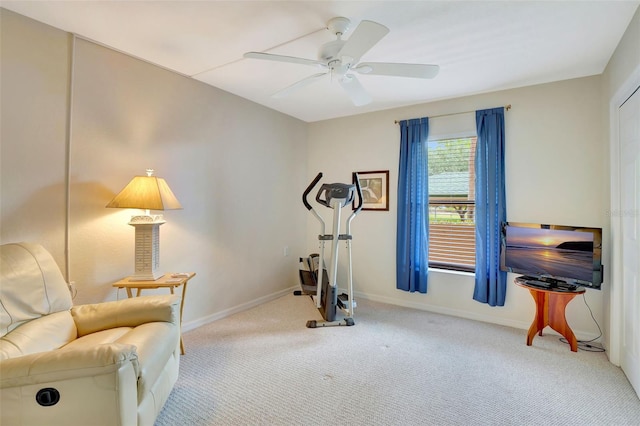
(615, 268)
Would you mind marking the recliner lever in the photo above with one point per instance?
(48, 397)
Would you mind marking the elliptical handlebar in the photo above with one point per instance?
(359, 191)
(330, 190)
(309, 189)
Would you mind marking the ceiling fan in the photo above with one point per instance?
(340, 59)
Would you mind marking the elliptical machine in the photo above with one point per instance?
(314, 280)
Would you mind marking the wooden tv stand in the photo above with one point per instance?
(550, 311)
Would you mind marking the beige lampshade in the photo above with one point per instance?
(146, 192)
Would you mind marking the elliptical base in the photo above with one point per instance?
(346, 322)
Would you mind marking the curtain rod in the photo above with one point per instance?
(507, 107)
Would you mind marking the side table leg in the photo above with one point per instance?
(573, 341)
(541, 319)
(532, 333)
(184, 293)
(558, 320)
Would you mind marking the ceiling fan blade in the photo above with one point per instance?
(295, 86)
(397, 69)
(282, 58)
(364, 37)
(354, 89)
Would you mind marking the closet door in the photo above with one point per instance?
(629, 133)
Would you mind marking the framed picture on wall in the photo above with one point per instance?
(375, 190)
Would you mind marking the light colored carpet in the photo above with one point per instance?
(396, 366)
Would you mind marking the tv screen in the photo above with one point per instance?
(568, 254)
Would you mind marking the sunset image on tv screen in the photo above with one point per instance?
(550, 252)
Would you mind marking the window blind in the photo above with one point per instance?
(452, 204)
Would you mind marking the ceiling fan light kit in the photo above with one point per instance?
(340, 58)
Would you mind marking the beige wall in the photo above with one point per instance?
(34, 79)
(554, 174)
(237, 168)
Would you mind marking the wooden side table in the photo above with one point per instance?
(550, 311)
(166, 281)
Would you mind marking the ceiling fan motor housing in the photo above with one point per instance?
(329, 51)
(338, 25)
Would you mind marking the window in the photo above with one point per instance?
(452, 237)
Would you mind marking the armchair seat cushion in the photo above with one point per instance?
(99, 338)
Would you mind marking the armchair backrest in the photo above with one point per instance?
(31, 285)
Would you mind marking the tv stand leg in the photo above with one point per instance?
(541, 319)
(550, 311)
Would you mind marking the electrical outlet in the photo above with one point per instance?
(285, 251)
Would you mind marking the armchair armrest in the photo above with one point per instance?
(126, 313)
(61, 364)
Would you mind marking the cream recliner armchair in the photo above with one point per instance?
(111, 363)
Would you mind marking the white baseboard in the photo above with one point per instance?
(191, 325)
(444, 311)
(522, 325)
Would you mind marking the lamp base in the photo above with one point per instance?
(147, 253)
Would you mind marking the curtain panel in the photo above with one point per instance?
(412, 244)
(490, 281)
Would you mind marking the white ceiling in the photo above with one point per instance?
(480, 46)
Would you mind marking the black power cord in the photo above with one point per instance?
(587, 345)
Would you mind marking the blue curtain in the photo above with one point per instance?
(491, 283)
(412, 245)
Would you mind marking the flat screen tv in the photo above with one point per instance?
(553, 254)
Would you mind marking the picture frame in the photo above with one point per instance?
(375, 190)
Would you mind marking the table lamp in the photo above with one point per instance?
(148, 193)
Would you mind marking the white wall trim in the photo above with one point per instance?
(191, 325)
(67, 161)
(522, 325)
